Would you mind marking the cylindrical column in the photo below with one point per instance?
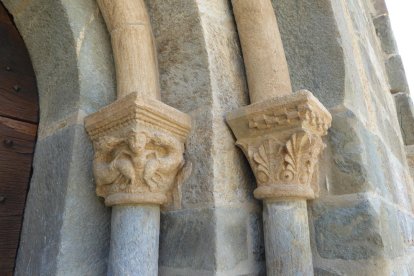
(139, 143)
(133, 47)
(263, 54)
(134, 240)
(286, 229)
(286, 234)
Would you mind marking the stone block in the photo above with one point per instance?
(310, 33)
(337, 267)
(410, 266)
(239, 240)
(213, 240)
(384, 32)
(403, 266)
(71, 71)
(96, 65)
(398, 184)
(201, 73)
(389, 130)
(64, 223)
(350, 172)
(188, 239)
(364, 71)
(47, 33)
(349, 230)
(85, 231)
(391, 222)
(227, 72)
(405, 113)
(361, 227)
(232, 230)
(362, 162)
(43, 218)
(182, 54)
(15, 6)
(199, 187)
(380, 7)
(405, 222)
(410, 159)
(257, 239)
(234, 183)
(396, 74)
(322, 272)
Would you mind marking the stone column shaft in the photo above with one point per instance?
(263, 54)
(281, 138)
(138, 143)
(286, 234)
(134, 240)
(133, 47)
(280, 134)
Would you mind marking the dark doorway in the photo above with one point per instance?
(18, 126)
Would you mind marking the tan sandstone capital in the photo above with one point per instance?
(281, 138)
(139, 146)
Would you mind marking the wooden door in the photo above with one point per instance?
(18, 127)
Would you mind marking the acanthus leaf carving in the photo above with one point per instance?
(279, 164)
(300, 156)
(263, 165)
(281, 138)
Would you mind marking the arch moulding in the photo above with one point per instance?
(72, 59)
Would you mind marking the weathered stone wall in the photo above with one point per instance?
(66, 227)
(363, 223)
(405, 113)
(218, 228)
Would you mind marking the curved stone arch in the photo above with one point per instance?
(66, 227)
(64, 222)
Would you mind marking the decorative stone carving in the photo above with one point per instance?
(281, 138)
(139, 146)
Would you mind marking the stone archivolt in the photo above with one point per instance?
(282, 140)
(139, 146)
(138, 142)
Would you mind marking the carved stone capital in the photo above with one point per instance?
(281, 138)
(139, 146)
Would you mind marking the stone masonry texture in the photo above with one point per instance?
(405, 113)
(340, 50)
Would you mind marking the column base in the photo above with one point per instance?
(284, 192)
